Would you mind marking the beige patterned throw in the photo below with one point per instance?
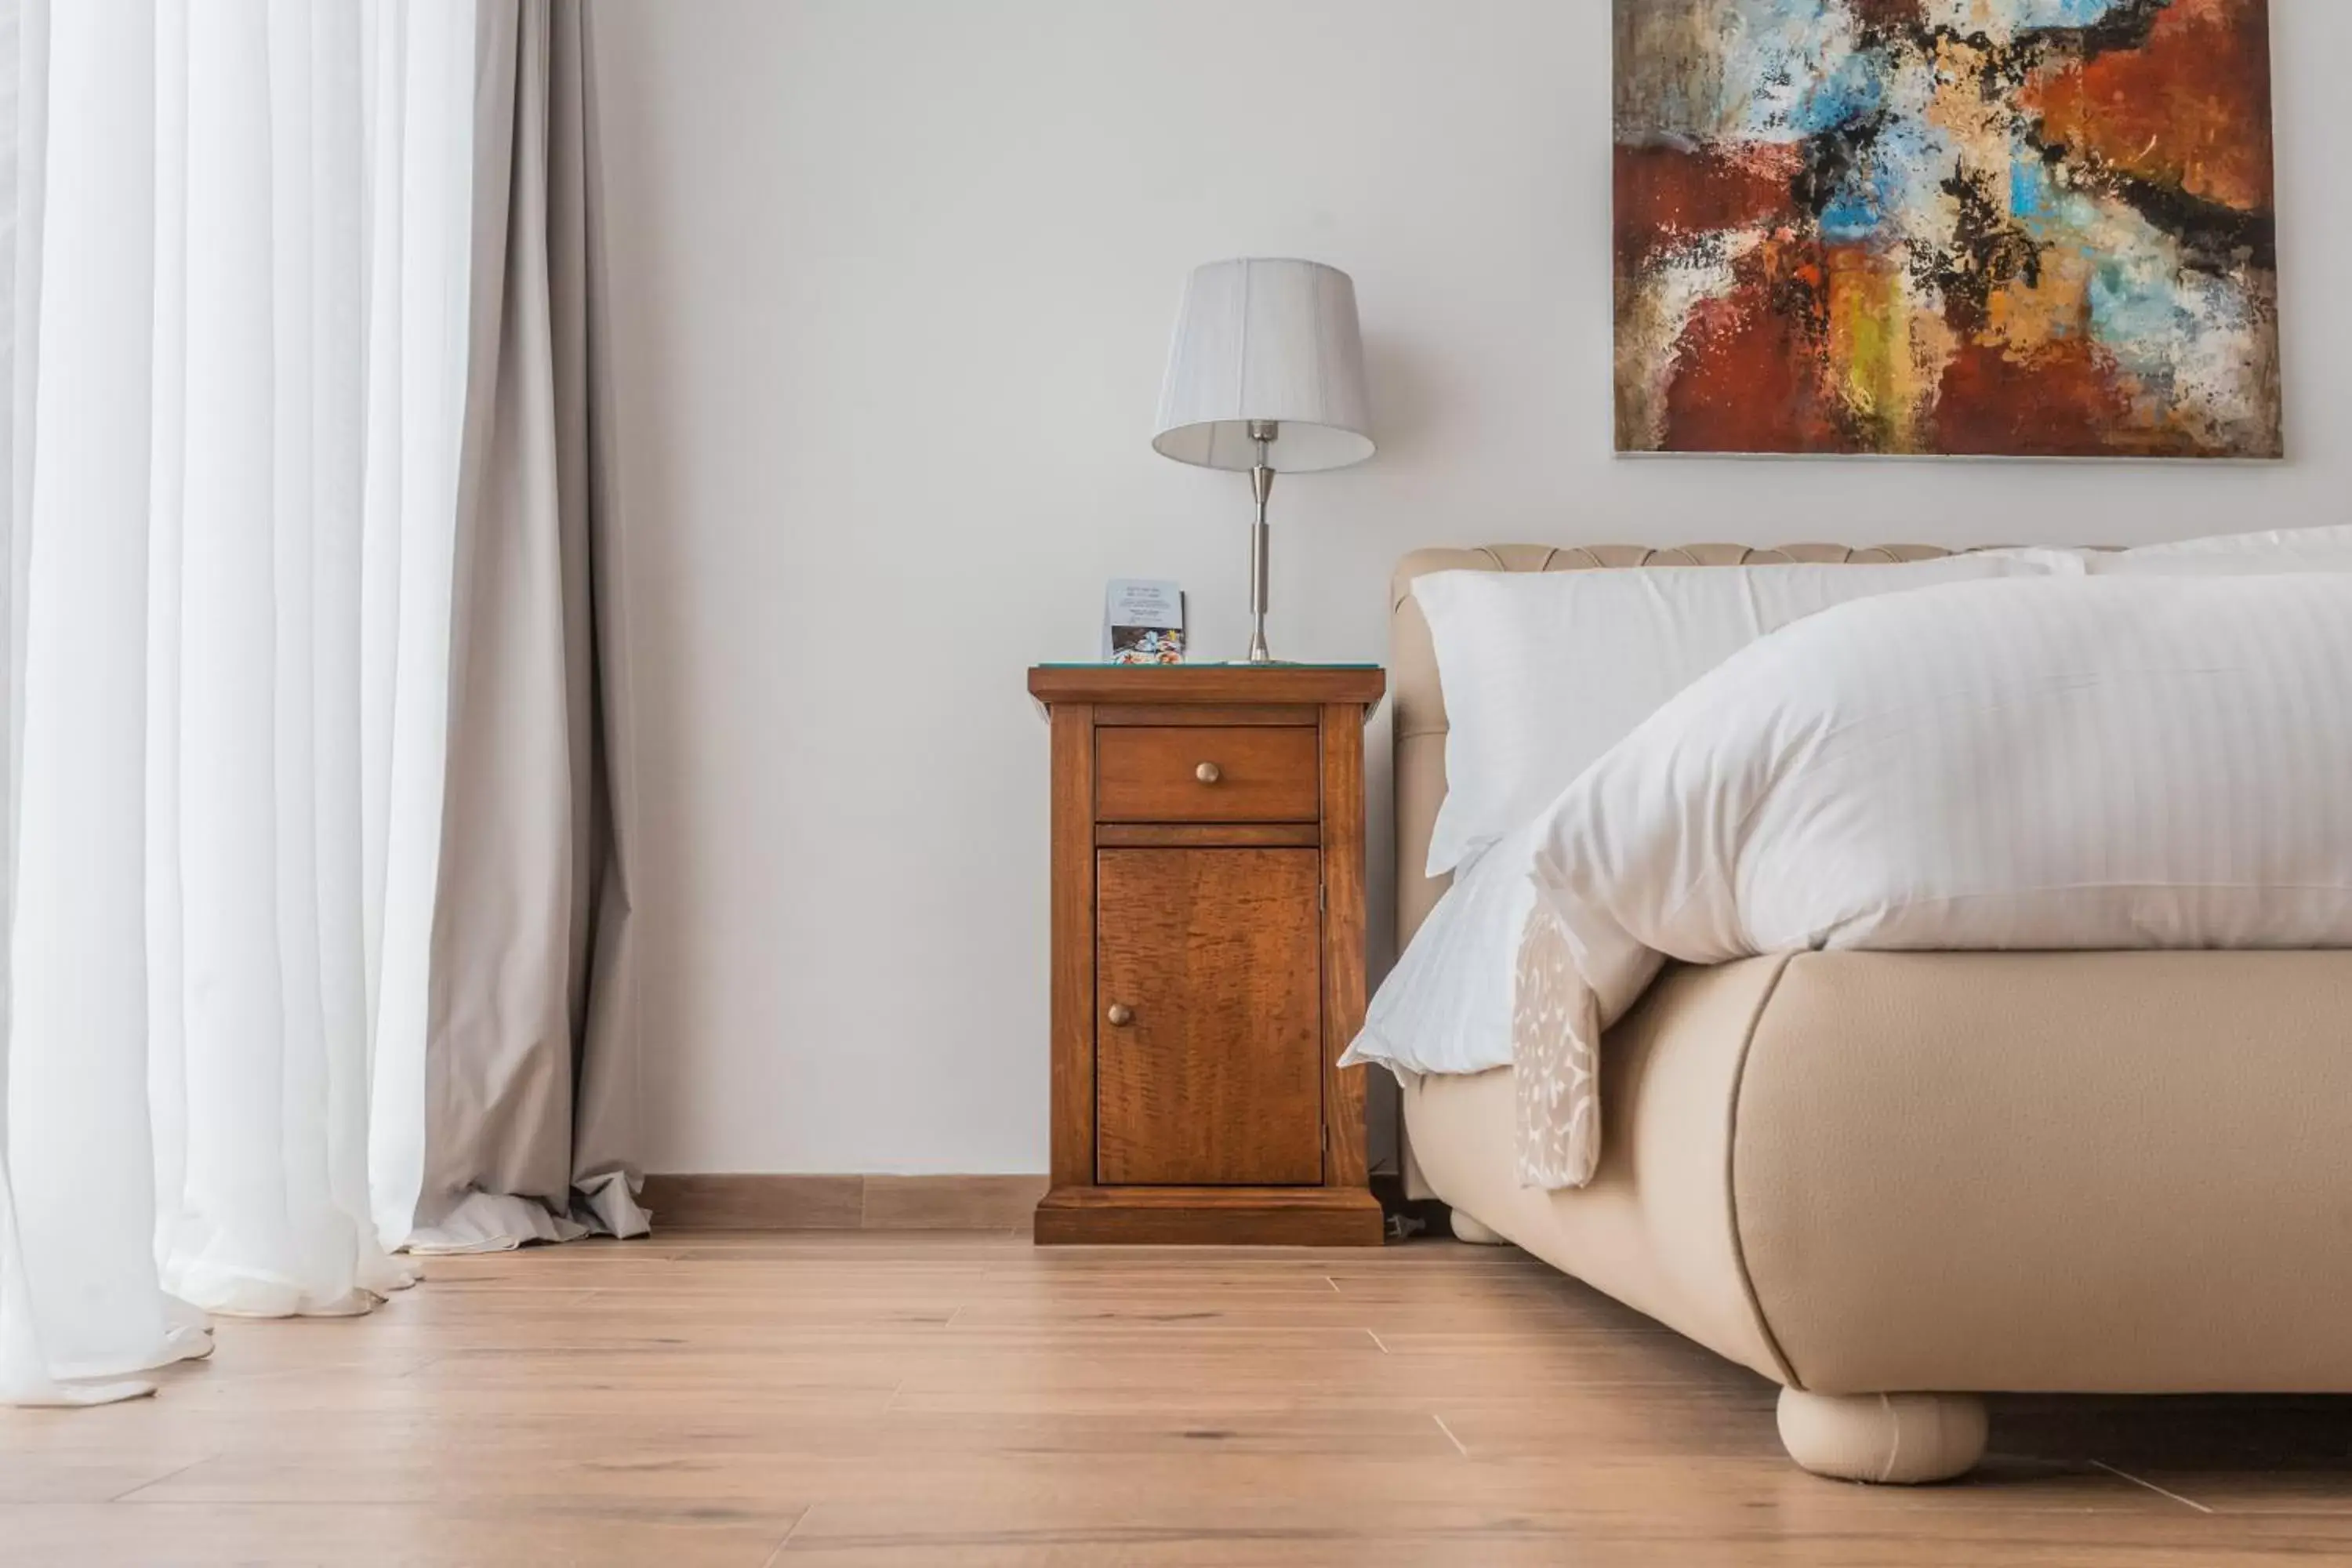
(1556, 1058)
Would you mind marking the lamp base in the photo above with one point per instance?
(1264, 432)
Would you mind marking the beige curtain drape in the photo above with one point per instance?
(531, 1052)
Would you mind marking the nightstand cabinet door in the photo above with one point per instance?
(1209, 1056)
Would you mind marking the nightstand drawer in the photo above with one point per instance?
(1208, 773)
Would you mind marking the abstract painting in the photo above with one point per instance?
(1989, 227)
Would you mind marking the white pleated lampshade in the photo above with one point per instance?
(1259, 339)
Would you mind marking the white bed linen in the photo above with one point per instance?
(1446, 1008)
(2062, 764)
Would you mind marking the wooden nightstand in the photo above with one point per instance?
(1208, 962)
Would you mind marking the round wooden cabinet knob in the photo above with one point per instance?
(1208, 772)
(1120, 1014)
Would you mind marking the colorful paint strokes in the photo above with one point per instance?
(1995, 227)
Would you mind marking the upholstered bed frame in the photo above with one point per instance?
(1892, 1182)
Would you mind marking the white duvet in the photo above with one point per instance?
(2089, 762)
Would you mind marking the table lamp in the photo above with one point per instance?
(1267, 368)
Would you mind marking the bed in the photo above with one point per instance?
(1893, 1182)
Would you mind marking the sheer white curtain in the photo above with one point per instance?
(234, 309)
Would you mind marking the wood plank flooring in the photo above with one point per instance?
(755, 1401)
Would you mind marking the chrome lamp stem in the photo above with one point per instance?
(1264, 432)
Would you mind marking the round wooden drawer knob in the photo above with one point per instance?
(1208, 772)
(1120, 1014)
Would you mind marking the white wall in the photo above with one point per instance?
(894, 284)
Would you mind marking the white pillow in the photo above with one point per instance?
(1543, 672)
(2235, 555)
(2251, 564)
(1446, 1005)
(2329, 539)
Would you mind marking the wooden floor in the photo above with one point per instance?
(966, 1399)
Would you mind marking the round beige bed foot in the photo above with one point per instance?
(1476, 1235)
(1891, 1438)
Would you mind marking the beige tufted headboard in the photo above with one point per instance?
(1420, 713)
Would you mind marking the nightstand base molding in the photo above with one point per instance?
(1214, 1216)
